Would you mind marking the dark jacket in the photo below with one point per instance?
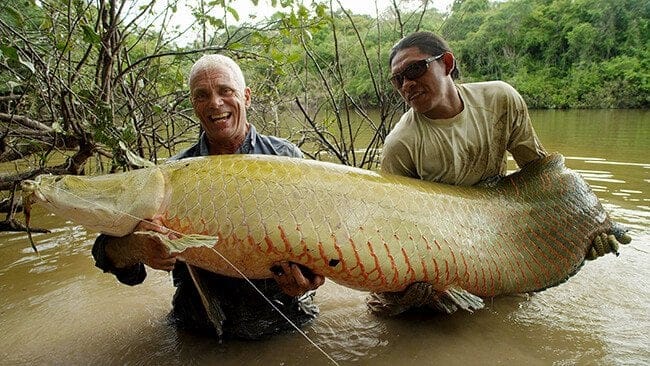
(231, 307)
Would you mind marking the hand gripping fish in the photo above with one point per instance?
(366, 230)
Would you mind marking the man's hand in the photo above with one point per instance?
(295, 279)
(605, 243)
(156, 255)
(143, 248)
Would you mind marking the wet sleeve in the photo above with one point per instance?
(294, 151)
(133, 275)
(523, 143)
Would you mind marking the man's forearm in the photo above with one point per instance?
(111, 255)
(124, 251)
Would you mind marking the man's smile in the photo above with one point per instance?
(414, 95)
(219, 117)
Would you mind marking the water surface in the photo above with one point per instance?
(57, 308)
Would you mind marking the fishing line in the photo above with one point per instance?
(275, 307)
(300, 331)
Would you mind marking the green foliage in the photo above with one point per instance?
(105, 82)
(558, 53)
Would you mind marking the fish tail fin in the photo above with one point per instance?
(455, 298)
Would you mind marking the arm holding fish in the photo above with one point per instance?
(522, 141)
(139, 247)
(125, 256)
(295, 279)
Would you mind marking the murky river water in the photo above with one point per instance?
(57, 308)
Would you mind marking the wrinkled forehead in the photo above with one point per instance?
(217, 65)
(216, 75)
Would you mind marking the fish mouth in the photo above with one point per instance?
(28, 186)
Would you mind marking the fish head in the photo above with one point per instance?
(112, 204)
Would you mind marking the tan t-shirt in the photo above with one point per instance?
(469, 147)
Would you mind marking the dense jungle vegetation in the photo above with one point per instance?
(104, 81)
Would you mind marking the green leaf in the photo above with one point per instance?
(294, 57)
(18, 18)
(134, 158)
(218, 23)
(90, 35)
(234, 13)
(27, 64)
(321, 10)
(9, 52)
(46, 24)
(303, 12)
(56, 126)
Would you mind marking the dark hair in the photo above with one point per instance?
(426, 42)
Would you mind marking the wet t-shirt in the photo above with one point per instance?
(469, 147)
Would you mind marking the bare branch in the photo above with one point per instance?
(24, 121)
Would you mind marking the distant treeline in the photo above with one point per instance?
(558, 53)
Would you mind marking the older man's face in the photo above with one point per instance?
(220, 103)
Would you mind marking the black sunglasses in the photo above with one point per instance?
(413, 71)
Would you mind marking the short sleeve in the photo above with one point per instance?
(523, 143)
(397, 159)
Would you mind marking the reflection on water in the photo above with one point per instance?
(56, 307)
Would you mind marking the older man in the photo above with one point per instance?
(203, 300)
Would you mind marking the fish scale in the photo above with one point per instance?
(262, 205)
(363, 229)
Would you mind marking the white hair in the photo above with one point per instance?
(207, 62)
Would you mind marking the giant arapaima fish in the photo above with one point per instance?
(365, 230)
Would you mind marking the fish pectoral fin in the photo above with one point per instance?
(422, 295)
(454, 298)
(184, 242)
